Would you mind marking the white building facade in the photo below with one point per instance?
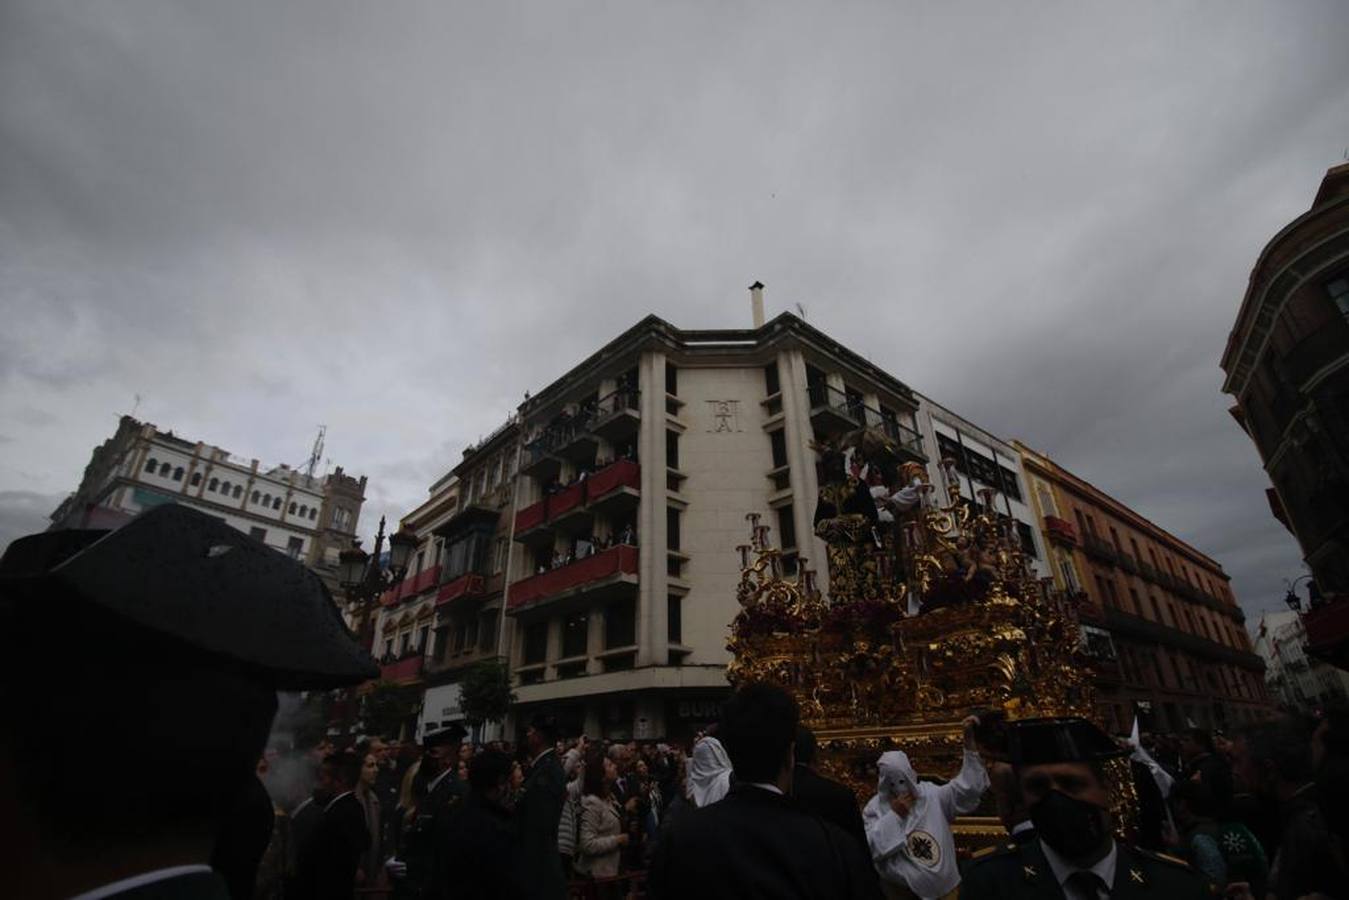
(1295, 679)
(141, 467)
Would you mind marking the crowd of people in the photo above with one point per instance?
(162, 786)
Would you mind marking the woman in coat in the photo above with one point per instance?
(601, 835)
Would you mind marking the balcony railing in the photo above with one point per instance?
(404, 670)
(835, 410)
(1155, 632)
(1061, 530)
(467, 585)
(605, 483)
(1100, 548)
(617, 414)
(601, 568)
(1128, 563)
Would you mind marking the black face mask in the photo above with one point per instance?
(1071, 827)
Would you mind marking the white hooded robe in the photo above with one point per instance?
(919, 850)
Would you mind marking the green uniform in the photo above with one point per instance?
(1023, 873)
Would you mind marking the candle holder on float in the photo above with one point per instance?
(928, 617)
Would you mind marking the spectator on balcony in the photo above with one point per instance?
(628, 536)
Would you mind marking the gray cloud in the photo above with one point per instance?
(394, 220)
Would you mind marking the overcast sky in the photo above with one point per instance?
(396, 218)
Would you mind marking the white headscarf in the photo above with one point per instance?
(709, 772)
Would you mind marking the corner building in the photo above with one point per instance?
(637, 470)
(1163, 633)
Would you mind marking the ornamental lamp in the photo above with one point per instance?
(401, 545)
(351, 565)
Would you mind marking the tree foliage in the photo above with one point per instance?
(387, 706)
(487, 694)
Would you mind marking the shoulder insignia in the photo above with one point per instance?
(987, 851)
(1136, 875)
(1029, 872)
(995, 850)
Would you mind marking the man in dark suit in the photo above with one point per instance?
(755, 842)
(479, 855)
(327, 866)
(184, 629)
(1059, 763)
(538, 812)
(819, 796)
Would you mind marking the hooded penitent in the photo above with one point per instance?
(709, 772)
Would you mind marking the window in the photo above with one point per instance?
(1091, 525)
(1110, 589)
(499, 559)
(423, 634)
(1114, 539)
(1100, 587)
(770, 377)
(1133, 544)
(313, 513)
(1069, 573)
(1011, 485)
(536, 643)
(164, 469)
(258, 534)
(1081, 522)
(674, 619)
(151, 465)
(671, 528)
(487, 630)
(404, 641)
(421, 561)
(575, 634)
(196, 478)
(304, 511)
(276, 503)
(671, 380)
(620, 624)
(214, 485)
(777, 440)
(1137, 606)
(256, 496)
(178, 474)
(1096, 643)
(388, 647)
(1338, 291)
(1027, 539)
(786, 527)
(672, 449)
(238, 491)
(290, 510)
(293, 547)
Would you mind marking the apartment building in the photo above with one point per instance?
(1164, 634)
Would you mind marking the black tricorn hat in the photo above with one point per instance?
(188, 577)
(1033, 742)
(450, 734)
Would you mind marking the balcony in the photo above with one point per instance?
(1128, 563)
(1157, 633)
(617, 415)
(404, 671)
(467, 585)
(419, 583)
(612, 571)
(613, 490)
(1323, 347)
(1100, 548)
(1061, 530)
(573, 439)
(540, 459)
(832, 411)
(905, 438)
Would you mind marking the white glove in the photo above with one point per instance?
(395, 867)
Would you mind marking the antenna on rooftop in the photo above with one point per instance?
(801, 311)
(136, 406)
(317, 453)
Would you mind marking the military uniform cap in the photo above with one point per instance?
(186, 576)
(450, 734)
(1032, 742)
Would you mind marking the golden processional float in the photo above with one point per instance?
(933, 614)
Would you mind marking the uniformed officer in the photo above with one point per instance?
(442, 794)
(138, 673)
(1074, 856)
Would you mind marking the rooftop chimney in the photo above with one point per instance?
(756, 302)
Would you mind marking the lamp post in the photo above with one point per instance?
(1293, 601)
(365, 578)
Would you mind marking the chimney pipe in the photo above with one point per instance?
(756, 302)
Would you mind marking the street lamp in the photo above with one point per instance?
(364, 577)
(1293, 601)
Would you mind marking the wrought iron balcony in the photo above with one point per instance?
(1061, 530)
(1100, 548)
